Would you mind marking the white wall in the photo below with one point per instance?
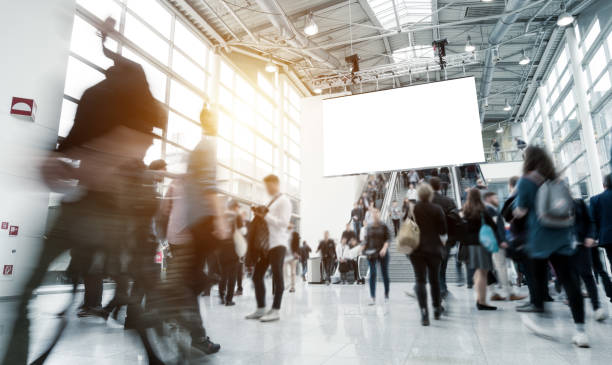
(35, 40)
(326, 202)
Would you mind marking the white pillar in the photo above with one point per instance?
(546, 128)
(35, 42)
(584, 112)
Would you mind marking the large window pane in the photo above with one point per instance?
(103, 9)
(150, 42)
(226, 98)
(67, 117)
(188, 70)
(243, 162)
(190, 44)
(245, 91)
(154, 152)
(79, 77)
(183, 132)
(265, 84)
(226, 76)
(591, 36)
(225, 126)
(155, 77)
(243, 137)
(224, 151)
(86, 43)
(264, 150)
(176, 159)
(597, 64)
(152, 12)
(185, 100)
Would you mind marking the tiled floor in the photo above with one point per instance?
(334, 325)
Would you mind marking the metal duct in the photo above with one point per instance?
(495, 38)
(279, 19)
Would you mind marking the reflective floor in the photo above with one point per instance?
(334, 325)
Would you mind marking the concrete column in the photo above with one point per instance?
(35, 46)
(584, 112)
(546, 128)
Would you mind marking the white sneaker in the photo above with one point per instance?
(600, 315)
(581, 339)
(272, 315)
(372, 302)
(260, 312)
(537, 329)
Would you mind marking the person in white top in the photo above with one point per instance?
(411, 193)
(278, 217)
(347, 259)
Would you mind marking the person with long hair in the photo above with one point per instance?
(547, 244)
(480, 260)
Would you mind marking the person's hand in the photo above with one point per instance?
(504, 245)
(589, 242)
(383, 252)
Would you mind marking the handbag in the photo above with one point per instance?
(240, 243)
(486, 236)
(409, 236)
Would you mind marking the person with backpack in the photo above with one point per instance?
(426, 259)
(277, 216)
(478, 221)
(601, 213)
(549, 208)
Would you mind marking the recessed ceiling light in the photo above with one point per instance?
(311, 28)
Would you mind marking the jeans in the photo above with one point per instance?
(384, 268)
(424, 266)
(563, 269)
(357, 228)
(501, 269)
(583, 266)
(524, 266)
(229, 271)
(328, 267)
(275, 260)
(304, 264)
(601, 272)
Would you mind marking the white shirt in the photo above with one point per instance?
(346, 252)
(278, 219)
(411, 194)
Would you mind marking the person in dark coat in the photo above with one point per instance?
(601, 213)
(327, 248)
(430, 252)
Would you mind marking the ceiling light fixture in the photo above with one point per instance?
(500, 129)
(507, 107)
(487, 1)
(317, 90)
(311, 28)
(564, 18)
(270, 66)
(524, 60)
(469, 47)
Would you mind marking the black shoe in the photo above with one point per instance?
(549, 299)
(484, 307)
(229, 303)
(424, 317)
(206, 346)
(92, 312)
(438, 312)
(529, 308)
(470, 286)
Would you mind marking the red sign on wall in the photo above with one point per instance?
(4, 225)
(7, 270)
(13, 230)
(23, 107)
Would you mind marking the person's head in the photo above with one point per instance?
(233, 206)
(491, 198)
(272, 184)
(516, 139)
(494, 139)
(326, 235)
(512, 183)
(411, 186)
(304, 243)
(435, 183)
(479, 182)
(208, 121)
(425, 192)
(607, 183)
(537, 159)
(473, 205)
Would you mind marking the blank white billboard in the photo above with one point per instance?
(434, 124)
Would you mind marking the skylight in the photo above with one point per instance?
(408, 12)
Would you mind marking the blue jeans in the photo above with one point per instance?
(357, 228)
(384, 268)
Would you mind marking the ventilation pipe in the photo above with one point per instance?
(293, 37)
(495, 38)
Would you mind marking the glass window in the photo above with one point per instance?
(146, 39)
(245, 91)
(188, 70)
(243, 137)
(86, 43)
(262, 169)
(243, 162)
(591, 36)
(265, 107)
(67, 117)
(600, 89)
(226, 98)
(155, 77)
(176, 158)
(294, 168)
(226, 76)
(103, 9)
(225, 126)
(265, 84)
(190, 44)
(152, 12)
(243, 112)
(597, 64)
(182, 131)
(79, 77)
(264, 150)
(224, 151)
(154, 152)
(185, 100)
(264, 127)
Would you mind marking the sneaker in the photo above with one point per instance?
(600, 315)
(272, 315)
(496, 298)
(372, 302)
(206, 346)
(438, 312)
(229, 303)
(291, 290)
(260, 312)
(580, 339)
(529, 308)
(537, 330)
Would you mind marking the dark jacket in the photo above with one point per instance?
(305, 252)
(327, 248)
(584, 226)
(518, 230)
(472, 228)
(601, 212)
(432, 224)
(500, 229)
(376, 236)
(357, 213)
(294, 243)
(451, 215)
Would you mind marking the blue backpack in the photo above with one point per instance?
(486, 236)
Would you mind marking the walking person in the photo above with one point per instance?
(304, 256)
(444, 181)
(376, 248)
(357, 216)
(396, 215)
(475, 214)
(277, 215)
(546, 243)
(411, 193)
(428, 256)
(293, 257)
(496, 149)
(601, 213)
(327, 250)
(228, 258)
